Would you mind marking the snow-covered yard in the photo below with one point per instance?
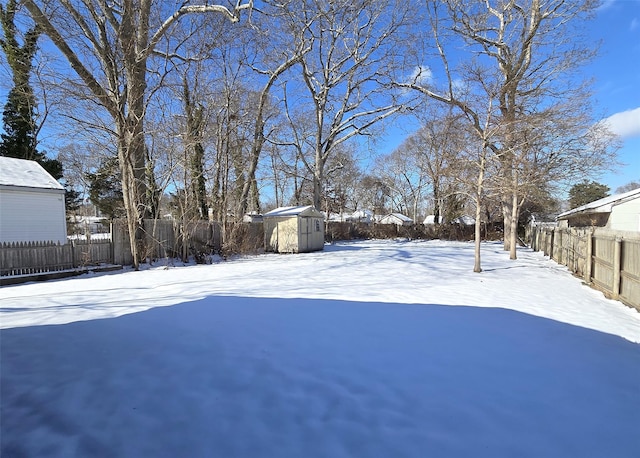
(368, 349)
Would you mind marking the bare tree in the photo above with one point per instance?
(628, 187)
(108, 45)
(436, 147)
(405, 178)
(522, 62)
(351, 52)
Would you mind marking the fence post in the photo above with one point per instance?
(588, 262)
(615, 288)
(113, 243)
(74, 262)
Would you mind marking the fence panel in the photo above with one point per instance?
(630, 272)
(92, 252)
(121, 246)
(609, 261)
(160, 238)
(602, 262)
(22, 258)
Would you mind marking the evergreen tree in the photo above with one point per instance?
(586, 192)
(105, 189)
(19, 137)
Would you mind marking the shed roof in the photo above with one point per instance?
(602, 205)
(26, 174)
(302, 210)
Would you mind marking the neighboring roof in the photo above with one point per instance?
(303, 210)
(431, 219)
(465, 220)
(398, 216)
(26, 174)
(361, 215)
(252, 217)
(602, 205)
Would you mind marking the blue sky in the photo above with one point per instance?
(616, 72)
(616, 87)
(617, 82)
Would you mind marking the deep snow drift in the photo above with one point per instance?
(369, 349)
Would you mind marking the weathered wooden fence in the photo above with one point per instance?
(167, 239)
(164, 238)
(28, 258)
(607, 260)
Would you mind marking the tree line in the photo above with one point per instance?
(227, 108)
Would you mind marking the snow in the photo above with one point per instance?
(23, 173)
(367, 349)
(606, 203)
(289, 211)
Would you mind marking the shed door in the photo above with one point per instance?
(305, 233)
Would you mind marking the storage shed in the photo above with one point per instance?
(31, 203)
(620, 212)
(294, 230)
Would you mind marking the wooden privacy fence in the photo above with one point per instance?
(164, 238)
(606, 260)
(28, 258)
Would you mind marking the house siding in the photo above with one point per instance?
(32, 215)
(625, 216)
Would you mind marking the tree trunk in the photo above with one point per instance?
(476, 263)
(135, 223)
(318, 180)
(506, 224)
(514, 225)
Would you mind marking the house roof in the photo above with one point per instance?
(26, 174)
(398, 216)
(303, 210)
(602, 205)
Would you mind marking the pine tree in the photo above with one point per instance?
(586, 192)
(19, 115)
(105, 189)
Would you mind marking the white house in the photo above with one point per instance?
(396, 218)
(294, 229)
(361, 216)
(431, 219)
(31, 203)
(620, 212)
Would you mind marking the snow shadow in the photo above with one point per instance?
(259, 377)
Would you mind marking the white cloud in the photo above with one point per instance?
(626, 124)
(605, 5)
(421, 76)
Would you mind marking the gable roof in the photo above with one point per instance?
(401, 217)
(391, 217)
(603, 205)
(302, 210)
(26, 174)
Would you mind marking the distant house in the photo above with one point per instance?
(294, 230)
(361, 216)
(431, 219)
(31, 203)
(620, 212)
(464, 220)
(252, 217)
(396, 218)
